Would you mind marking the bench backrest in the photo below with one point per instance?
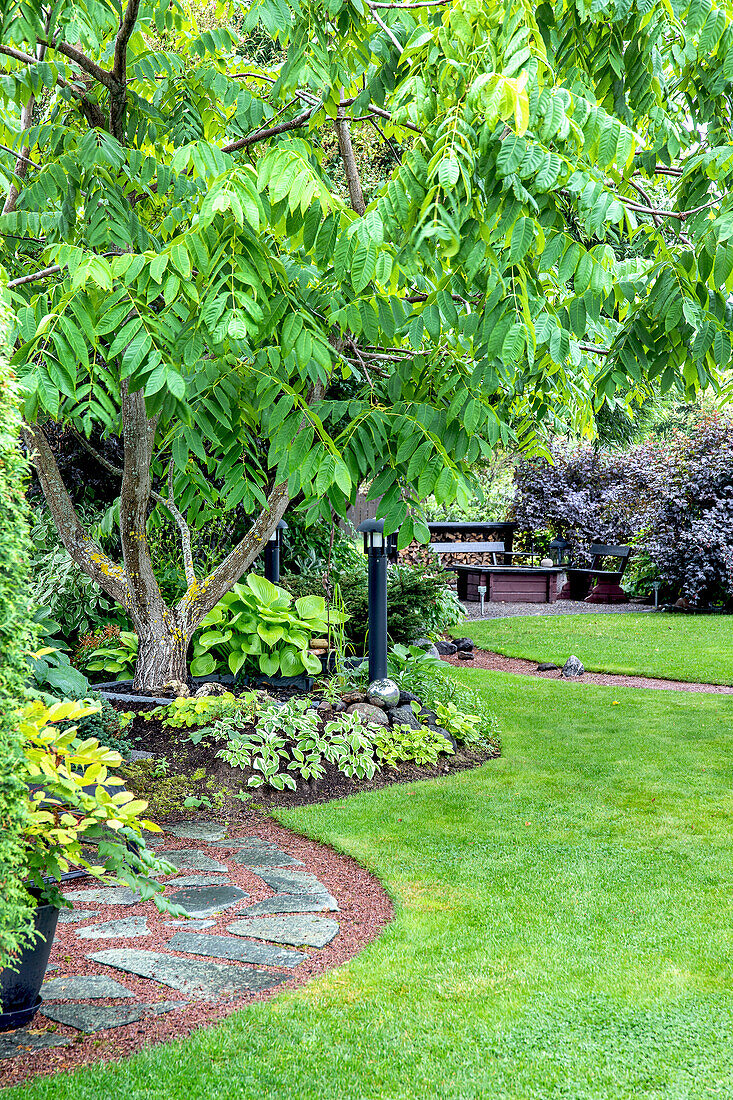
(468, 548)
(601, 550)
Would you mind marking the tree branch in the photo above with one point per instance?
(104, 77)
(202, 596)
(349, 161)
(271, 131)
(385, 28)
(138, 436)
(167, 502)
(118, 97)
(593, 348)
(107, 574)
(22, 162)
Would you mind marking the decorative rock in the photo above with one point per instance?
(445, 649)
(194, 977)
(211, 689)
(73, 916)
(353, 697)
(319, 643)
(403, 716)
(426, 645)
(198, 830)
(202, 901)
(296, 930)
(199, 880)
(293, 903)
(179, 689)
(406, 697)
(547, 563)
(463, 644)
(126, 929)
(383, 693)
(465, 655)
(83, 989)
(572, 669)
(105, 895)
(191, 859)
(547, 666)
(324, 709)
(291, 882)
(137, 754)
(265, 858)
(22, 1041)
(372, 715)
(223, 947)
(90, 1018)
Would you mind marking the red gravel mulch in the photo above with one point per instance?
(365, 909)
(485, 658)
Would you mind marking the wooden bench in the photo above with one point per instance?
(503, 581)
(606, 582)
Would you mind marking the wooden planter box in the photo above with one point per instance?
(508, 584)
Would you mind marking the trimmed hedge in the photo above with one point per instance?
(16, 640)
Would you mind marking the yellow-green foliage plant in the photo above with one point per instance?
(74, 802)
(16, 639)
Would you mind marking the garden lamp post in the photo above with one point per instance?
(656, 585)
(272, 552)
(376, 547)
(560, 548)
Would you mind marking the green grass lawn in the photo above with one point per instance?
(674, 647)
(564, 926)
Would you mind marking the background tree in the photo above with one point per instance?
(189, 279)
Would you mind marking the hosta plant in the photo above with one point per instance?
(258, 627)
(116, 652)
(423, 746)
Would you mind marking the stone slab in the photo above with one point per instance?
(73, 916)
(291, 882)
(195, 977)
(222, 947)
(293, 903)
(191, 925)
(202, 901)
(294, 929)
(265, 857)
(126, 929)
(22, 1041)
(198, 830)
(105, 895)
(90, 1018)
(191, 859)
(199, 880)
(80, 988)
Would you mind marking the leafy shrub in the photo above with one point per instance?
(17, 638)
(412, 669)
(70, 807)
(59, 585)
(201, 710)
(50, 668)
(257, 627)
(103, 723)
(403, 743)
(420, 601)
(673, 499)
(109, 650)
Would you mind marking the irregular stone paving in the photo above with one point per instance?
(190, 961)
(305, 931)
(127, 929)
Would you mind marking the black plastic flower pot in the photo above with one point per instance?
(20, 989)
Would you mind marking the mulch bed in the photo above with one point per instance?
(485, 658)
(365, 910)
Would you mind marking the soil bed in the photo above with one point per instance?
(187, 759)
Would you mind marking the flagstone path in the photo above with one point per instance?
(244, 956)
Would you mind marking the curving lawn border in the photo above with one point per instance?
(562, 926)
(698, 649)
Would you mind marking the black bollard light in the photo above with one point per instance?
(376, 547)
(272, 552)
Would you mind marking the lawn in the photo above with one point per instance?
(564, 926)
(674, 647)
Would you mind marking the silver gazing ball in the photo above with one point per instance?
(385, 692)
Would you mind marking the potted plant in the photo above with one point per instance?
(78, 814)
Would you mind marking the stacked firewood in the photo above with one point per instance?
(415, 554)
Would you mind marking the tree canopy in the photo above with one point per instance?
(555, 232)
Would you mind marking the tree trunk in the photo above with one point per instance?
(162, 654)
